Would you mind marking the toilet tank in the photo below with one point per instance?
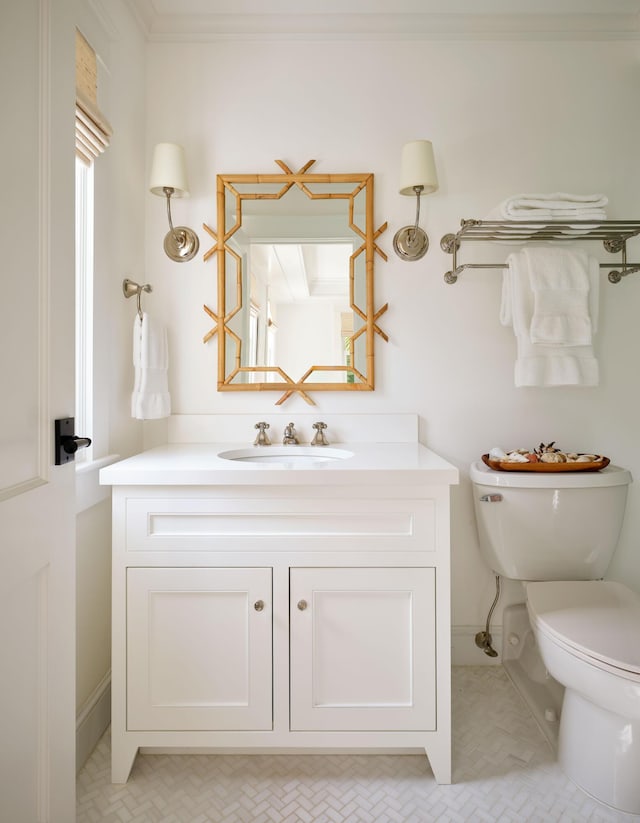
(549, 526)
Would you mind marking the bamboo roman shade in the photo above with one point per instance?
(92, 129)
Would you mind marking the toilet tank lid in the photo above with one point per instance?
(611, 476)
(596, 619)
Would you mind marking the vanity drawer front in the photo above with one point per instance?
(306, 524)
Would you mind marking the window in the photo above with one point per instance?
(84, 305)
(92, 138)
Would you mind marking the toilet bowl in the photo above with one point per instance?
(557, 534)
(588, 635)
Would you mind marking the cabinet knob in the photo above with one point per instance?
(258, 605)
(302, 605)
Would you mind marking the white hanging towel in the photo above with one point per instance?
(560, 283)
(150, 399)
(550, 297)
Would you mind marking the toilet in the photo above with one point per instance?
(557, 532)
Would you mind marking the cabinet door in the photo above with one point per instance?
(363, 649)
(199, 649)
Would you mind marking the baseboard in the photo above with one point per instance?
(464, 651)
(92, 721)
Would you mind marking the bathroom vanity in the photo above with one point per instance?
(280, 599)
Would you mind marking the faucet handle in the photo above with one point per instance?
(262, 438)
(319, 438)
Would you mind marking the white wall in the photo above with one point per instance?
(504, 118)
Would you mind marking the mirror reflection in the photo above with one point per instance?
(299, 311)
(295, 280)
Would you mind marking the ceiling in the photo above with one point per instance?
(201, 20)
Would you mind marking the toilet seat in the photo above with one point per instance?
(597, 621)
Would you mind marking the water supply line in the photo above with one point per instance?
(483, 639)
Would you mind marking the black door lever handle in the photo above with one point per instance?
(72, 444)
(66, 442)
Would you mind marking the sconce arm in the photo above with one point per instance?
(418, 190)
(411, 242)
(168, 191)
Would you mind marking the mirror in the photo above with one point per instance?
(295, 254)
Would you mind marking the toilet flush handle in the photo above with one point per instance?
(491, 498)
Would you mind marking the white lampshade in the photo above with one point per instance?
(418, 167)
(169, 169)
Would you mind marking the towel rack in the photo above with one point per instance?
(613, 233)
(130, 288)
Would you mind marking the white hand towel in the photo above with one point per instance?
(559, 280)
(150, 399)
(543, 364)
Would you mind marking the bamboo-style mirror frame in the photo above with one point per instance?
(226, 185)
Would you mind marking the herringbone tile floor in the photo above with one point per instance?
(503, 771)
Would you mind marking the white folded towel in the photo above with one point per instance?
(559, 207)
(563, 359)
(556, 206)
(150, 399)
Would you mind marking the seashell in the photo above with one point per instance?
(515, 457)
(587, 458)
(549, 447)
(553, 457)
(572, 457)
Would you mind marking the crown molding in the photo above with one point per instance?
(167, 26)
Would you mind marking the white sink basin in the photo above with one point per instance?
(290, 456)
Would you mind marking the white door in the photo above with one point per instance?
(37, 499)
(363, 649)
(199, 649)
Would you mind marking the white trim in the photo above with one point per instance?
(45, 445)
(45, 744)
(89, 492)
(597, 23)
(92, 720)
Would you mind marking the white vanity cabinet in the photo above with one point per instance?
(280, 610)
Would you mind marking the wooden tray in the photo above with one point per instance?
(508, 466)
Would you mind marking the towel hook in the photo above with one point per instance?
(129, 288)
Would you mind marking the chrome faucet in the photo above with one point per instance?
(319, 438)
(262, 438)
(290, 437)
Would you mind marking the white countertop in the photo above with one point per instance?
(201, 464)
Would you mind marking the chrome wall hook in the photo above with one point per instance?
(130, 288)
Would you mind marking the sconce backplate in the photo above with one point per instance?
(411, 243)
(181, 244)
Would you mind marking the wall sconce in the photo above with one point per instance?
(417, 176)
(169, 179)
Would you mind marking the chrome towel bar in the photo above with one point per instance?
(613, 233)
